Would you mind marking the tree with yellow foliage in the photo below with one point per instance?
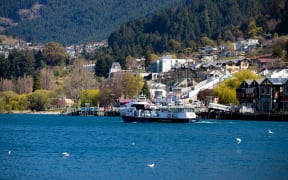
(90, 96)
(132, 85)
(226, 91)
(253, 30)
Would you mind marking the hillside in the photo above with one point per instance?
(69, 22)
(185, 26)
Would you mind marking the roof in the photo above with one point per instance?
(259, 81)
(278, 81)
(249, 82)
(267, 60)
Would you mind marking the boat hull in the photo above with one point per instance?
(130, 119)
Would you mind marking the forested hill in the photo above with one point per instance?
(184, 26)
(72, 21)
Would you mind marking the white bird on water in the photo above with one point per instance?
(151, 165)
(65, 154)
(238, 140)
(270, 132)
(9, 152)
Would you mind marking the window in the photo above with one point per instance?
(286, 89)
(265, 90)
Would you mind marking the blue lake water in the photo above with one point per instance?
(32, 147)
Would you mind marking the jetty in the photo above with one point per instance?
(92, 111)
(257, 116)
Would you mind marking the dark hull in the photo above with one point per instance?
(130, 119)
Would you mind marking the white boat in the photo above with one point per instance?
(172, 114)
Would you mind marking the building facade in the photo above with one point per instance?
(264, 95)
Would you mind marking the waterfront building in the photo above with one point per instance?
(264, 95)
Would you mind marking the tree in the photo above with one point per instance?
(226, 95)
(2, 104)
(15, 64)
(109, 96)
(253, 30)
(24, 84)
(204, 93)
(36, 83)
(226, 91)
(4, 67)
(39, 99)
(39, 60)
(145, 90)
(47, 78)
(148, 58)
(206, 41)
(132, 85)
(174, 45)
(10, 100)
(80, 79)
(23, 103)
(6, 85)
(90, 96)
(277, 51)
(20, 63)
(102, 65)
(54, 54)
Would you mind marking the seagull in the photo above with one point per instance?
(65, 154)
(151, 165)
(270, 132)
(9, 152)
(238, 140)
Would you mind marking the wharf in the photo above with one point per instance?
(243, 116)
(94, 113)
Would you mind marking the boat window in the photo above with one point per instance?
(138, 106)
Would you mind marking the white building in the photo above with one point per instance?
(169, 63)
(246, 44)
(278, 73)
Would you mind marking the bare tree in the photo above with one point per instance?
(47, 78)
(24, 85)
(81, 79)
(6, 85)
(111, 90)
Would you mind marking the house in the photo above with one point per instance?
(264, 95)
(275, 73)
(271, 94)
(268, 62)
(246, 45)
(248, 93)
(168, 63)
(236, 65)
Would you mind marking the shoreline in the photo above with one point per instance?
(36, 112)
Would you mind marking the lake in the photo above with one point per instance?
(77, 147)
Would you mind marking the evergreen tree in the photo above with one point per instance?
(4, 67)
(36, 83)
(39, 60)
(277, 51)
(145, 90)
(148, 58)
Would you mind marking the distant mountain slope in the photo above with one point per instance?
(76, 21)
(184, 26)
